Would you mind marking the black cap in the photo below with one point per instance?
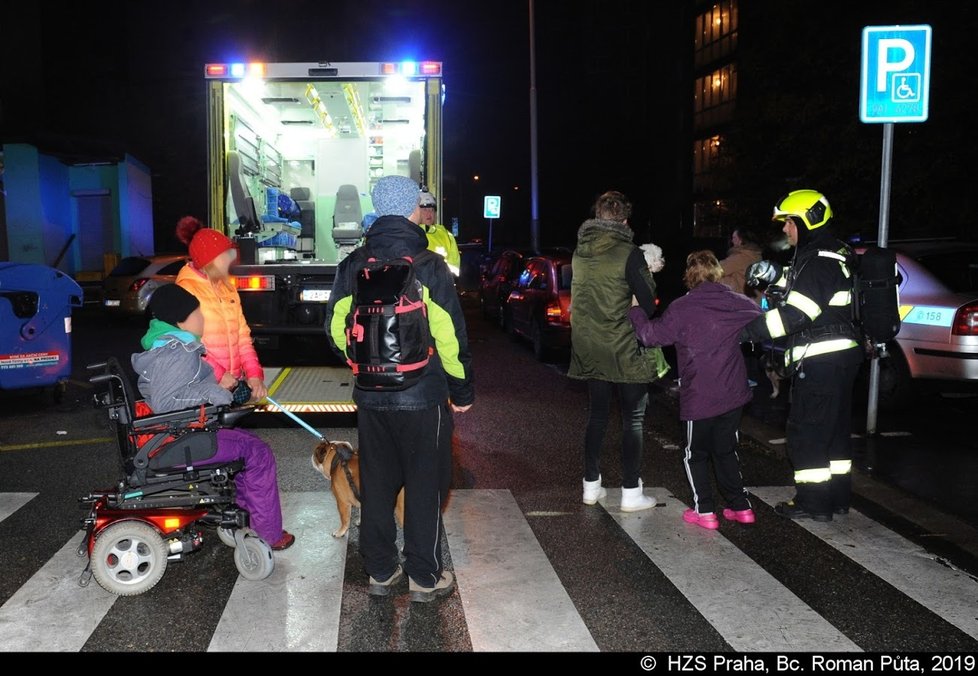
(172, 304)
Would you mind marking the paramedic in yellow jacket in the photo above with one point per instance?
(440, 240)
(227, 337)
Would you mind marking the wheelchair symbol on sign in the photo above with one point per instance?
(905, 88)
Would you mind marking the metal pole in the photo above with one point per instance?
(534, 183)
(872, 405)
(489, 249)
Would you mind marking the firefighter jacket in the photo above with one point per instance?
(815, 310)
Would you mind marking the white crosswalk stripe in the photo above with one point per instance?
(298, 611)
(510, 593)
(949, 593)
(743, 602)
(51, 612)
(11, 502)
(512, 597)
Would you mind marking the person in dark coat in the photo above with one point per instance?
(405, 436)
(705, 325)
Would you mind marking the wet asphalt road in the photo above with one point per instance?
(524, 434)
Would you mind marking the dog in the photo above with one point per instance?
(339, 462)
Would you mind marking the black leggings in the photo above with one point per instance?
(633, 398)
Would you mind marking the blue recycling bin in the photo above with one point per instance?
(35, 326)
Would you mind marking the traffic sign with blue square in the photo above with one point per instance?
(895, 75)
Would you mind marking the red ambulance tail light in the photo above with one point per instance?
(255, 283)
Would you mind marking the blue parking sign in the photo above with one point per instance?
(894, 81)
(492, 206)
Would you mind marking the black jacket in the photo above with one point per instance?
(816, 313)
(449, 373)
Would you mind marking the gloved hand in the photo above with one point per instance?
(763, 272)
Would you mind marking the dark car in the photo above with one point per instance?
(538, 307)
(498, 281)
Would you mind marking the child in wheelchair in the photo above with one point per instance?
(173, 376)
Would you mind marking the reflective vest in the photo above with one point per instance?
(441, 241)
(815, 311)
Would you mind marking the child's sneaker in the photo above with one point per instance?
(741, 516)
(708, 521)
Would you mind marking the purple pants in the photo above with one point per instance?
(257, 484)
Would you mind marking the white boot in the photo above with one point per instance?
(593, 491)
(633, 500)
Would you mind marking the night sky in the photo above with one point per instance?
(612, 94)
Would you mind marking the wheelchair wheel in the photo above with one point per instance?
(129, 558)
(226, 535)
(253, 557)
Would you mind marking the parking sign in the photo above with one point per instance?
(895, 75)
(492, 206)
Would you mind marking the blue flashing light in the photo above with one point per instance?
(409, 68)
(237, 70)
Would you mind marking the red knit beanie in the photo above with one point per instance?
(205, 244)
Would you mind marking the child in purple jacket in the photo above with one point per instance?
(704, 326)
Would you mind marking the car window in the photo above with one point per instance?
(172, 268)
(129, 266)
(565, 275)
(540, 275)
(957, 270)
(523, 281)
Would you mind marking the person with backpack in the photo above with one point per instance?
(395, 317)
(815, 313)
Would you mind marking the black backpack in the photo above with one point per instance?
(388, 338)
(876, 299)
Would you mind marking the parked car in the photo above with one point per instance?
(538, 308)
(130, 285)
(938, 338)
(498, 281)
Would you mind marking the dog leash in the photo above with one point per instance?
(338, 458)
(296, 418)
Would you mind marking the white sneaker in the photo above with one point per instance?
(593, 491)
(633, 500)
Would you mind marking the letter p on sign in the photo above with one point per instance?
(888, 47)
(895, 76)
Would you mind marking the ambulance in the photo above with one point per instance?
(294, 150)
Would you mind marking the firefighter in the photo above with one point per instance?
(814, 313)
(440, 240)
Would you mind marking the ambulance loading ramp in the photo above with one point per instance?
(310, 389)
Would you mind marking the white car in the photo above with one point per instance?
(130, 285)
(938, 338)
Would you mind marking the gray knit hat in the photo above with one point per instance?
(395, 196)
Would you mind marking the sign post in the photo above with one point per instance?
(894, 86)
(491, 210)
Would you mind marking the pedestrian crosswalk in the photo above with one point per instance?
(738, 578)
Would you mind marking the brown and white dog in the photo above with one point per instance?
(339, 462)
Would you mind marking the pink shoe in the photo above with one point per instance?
(742, 516)
(708, 521)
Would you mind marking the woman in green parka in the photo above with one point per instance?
(608, 271)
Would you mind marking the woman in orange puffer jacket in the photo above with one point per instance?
(227, 337)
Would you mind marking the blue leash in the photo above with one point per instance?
(299, 420)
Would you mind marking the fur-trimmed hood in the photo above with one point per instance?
(596, 235)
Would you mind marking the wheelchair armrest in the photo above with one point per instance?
(229, 417)
(182, 416)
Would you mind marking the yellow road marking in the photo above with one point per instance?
(55, 444)
(277, 383)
